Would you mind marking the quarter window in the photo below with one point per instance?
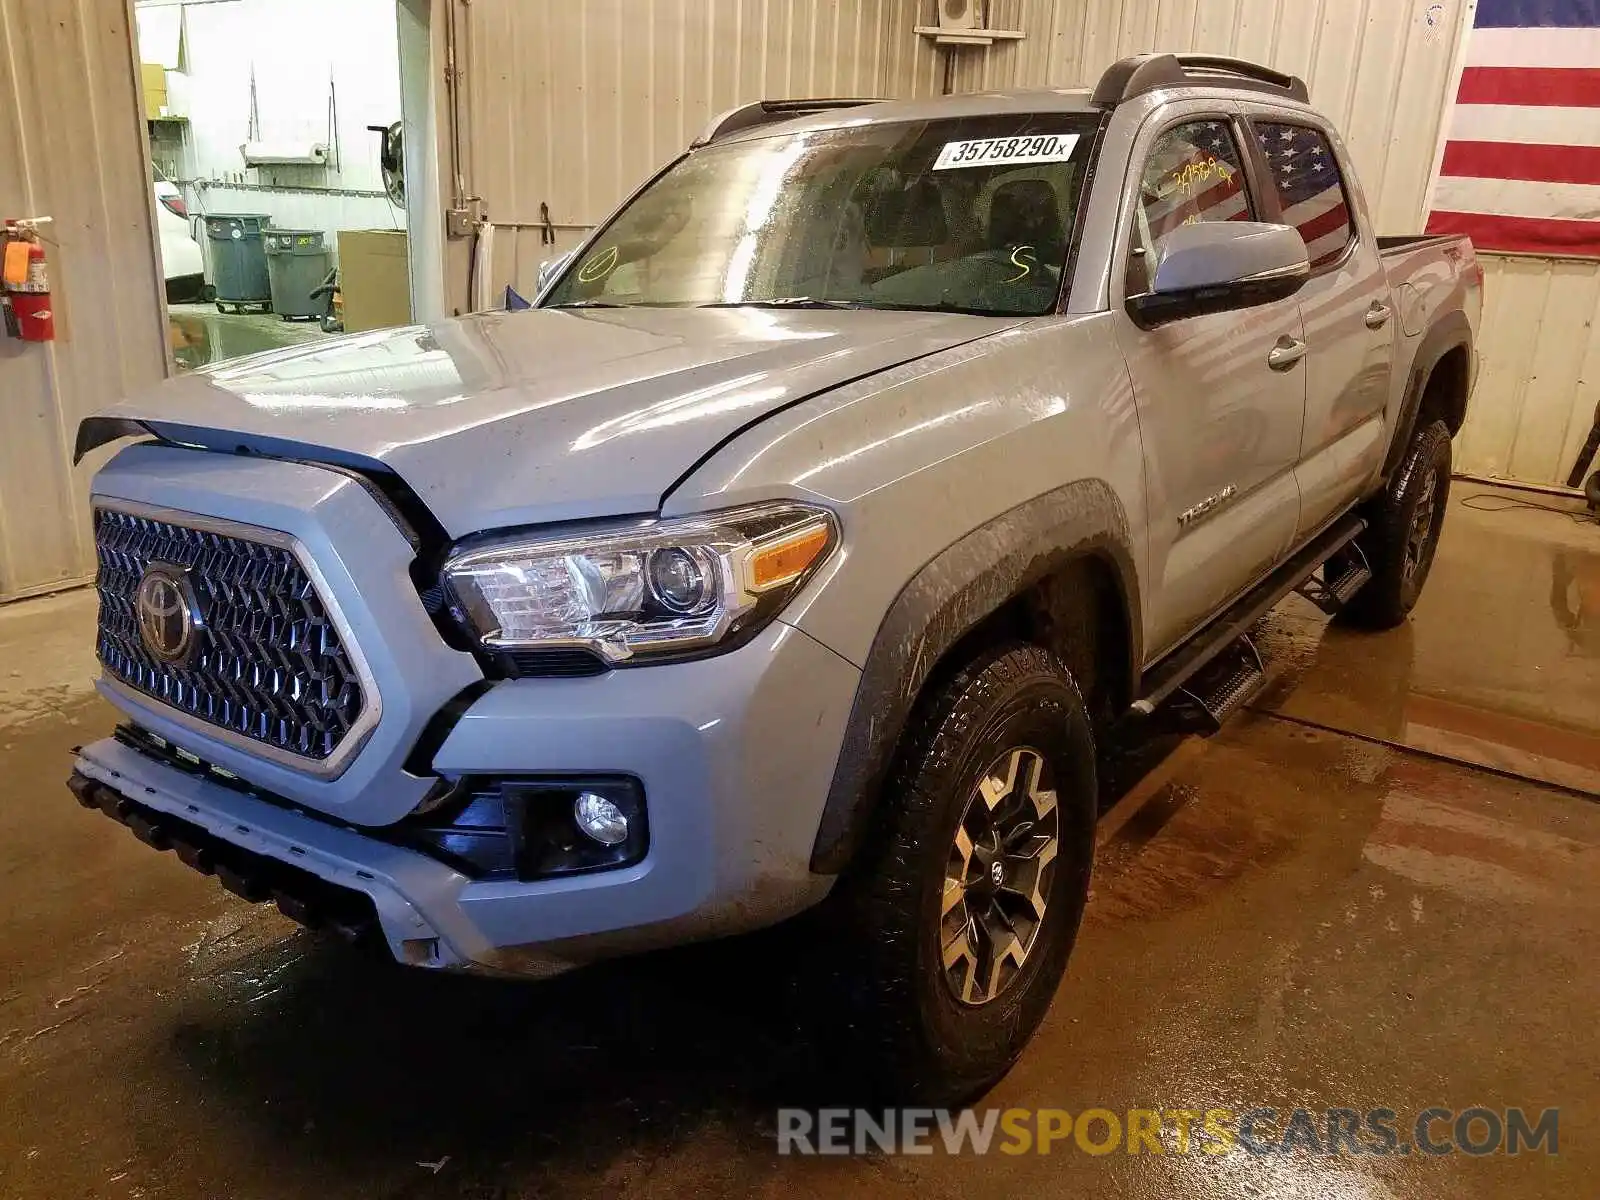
(1305, 172)
(1194, 173)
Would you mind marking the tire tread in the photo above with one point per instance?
(876, 901)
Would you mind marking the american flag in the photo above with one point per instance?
(1521, 165)
(1307, 177)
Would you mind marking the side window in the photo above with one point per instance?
(1305, 172)
(1194, 173)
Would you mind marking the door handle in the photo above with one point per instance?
(1286, 353)
(1378, 315)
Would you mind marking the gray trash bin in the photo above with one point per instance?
(238, 261)
(297, 263)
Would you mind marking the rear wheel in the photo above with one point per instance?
(964, 905)
(1403, 538)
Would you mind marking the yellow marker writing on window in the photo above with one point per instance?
(1025, 264)
(1191, 175)
(599, 266)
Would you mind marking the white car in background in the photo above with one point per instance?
(181, 261)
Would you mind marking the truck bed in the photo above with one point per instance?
(1434, 270)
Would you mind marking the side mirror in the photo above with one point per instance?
(1220, 266)
(551, 267)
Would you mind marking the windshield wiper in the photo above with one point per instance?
(587, 304)
(784, 302)
(944, 307)
(884, 305)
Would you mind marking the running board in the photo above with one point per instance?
(1163, 680)
(1332, 595)
(1229, 682)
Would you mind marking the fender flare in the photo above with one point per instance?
(945, 600)
(1452, 332)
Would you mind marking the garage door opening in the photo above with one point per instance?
(277, 170)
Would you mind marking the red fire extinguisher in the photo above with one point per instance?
(30, 298)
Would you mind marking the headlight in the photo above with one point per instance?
(652, 588)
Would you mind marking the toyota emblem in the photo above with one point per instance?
(168, 618)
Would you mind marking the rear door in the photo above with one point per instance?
(1220, 426)
(1347, 310)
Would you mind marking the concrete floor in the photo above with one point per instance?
(1328, 905)
(200, 335)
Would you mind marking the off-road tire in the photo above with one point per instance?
(1398, 576)
(920, 1042)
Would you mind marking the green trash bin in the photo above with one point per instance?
(297, 263)
(238, 260)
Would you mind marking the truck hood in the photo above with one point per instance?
(506, 419)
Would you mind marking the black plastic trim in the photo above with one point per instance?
(769, 112)
(1069, 269)
(1143, 73)
(1180, 664)
(440, 726)
(94, 432)
(1451, 332)
(946, 599)
(298, 893)
(1152, 310)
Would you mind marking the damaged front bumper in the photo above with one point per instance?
(732, 755)
(319, 874)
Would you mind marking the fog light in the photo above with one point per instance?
(600, 819)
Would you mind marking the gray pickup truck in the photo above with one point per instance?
(839, 503)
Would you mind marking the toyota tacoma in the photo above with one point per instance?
(838, 503)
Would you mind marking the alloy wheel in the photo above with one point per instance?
(1419, 538)
(997, 876)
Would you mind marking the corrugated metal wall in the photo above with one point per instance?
(71, 147)
(572, 105)
(1541, 367)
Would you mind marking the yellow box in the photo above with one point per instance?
(155, 89)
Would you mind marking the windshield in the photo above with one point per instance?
(971, 215)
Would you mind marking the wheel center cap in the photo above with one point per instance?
(989, 875)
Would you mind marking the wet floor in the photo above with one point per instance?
(199, 335)
(1328, 906)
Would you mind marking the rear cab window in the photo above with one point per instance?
(1311, 192)
(1194, 172)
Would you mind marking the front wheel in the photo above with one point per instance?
(1403, 538)
(965, 902)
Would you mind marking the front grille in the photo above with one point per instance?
(268, 662)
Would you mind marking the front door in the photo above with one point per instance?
(1221, 425)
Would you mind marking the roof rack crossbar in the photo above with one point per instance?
(767, 112)
(1132, 77)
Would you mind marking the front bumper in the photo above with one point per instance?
(735, 754)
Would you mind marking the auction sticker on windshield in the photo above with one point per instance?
(1004, 152)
